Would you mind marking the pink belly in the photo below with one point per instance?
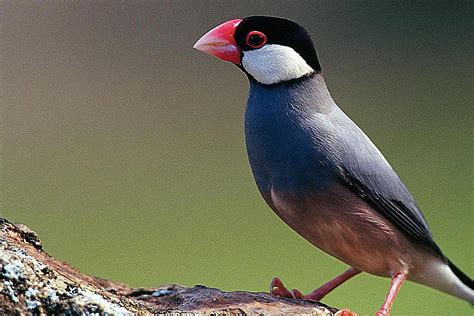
(343, 225)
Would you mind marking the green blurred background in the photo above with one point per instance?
(123, 147)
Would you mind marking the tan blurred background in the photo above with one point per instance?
(123, 147)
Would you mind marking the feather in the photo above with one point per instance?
(365, 171)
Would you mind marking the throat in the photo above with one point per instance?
(306, 95)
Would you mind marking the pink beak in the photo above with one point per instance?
(220, 42)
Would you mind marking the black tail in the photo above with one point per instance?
(461, 275)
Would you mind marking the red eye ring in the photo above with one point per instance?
(255, 39)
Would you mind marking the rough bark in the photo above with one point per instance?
(32, 282)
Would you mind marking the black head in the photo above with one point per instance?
(269, 49)
(277, 31)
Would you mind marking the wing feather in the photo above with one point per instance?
(365, 171)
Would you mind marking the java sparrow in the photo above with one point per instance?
(317, 169)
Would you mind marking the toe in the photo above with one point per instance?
(297, 294)
(277, 288)
(345, 312)
(276, 283)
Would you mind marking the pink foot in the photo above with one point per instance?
(277, 288)
(345, 312)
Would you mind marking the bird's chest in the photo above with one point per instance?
(283, 152)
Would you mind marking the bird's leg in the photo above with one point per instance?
(397, 281)
(277, 288)
(324, 289)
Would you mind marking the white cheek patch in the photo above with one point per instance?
(275, 63)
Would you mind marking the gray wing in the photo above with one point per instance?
(367, 173)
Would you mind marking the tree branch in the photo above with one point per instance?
(31, 281)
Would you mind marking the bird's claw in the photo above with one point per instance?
(277, 288)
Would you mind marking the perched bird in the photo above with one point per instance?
(317, 169)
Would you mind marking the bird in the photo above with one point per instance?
(319, 172)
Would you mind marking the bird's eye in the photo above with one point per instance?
(255, 39)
